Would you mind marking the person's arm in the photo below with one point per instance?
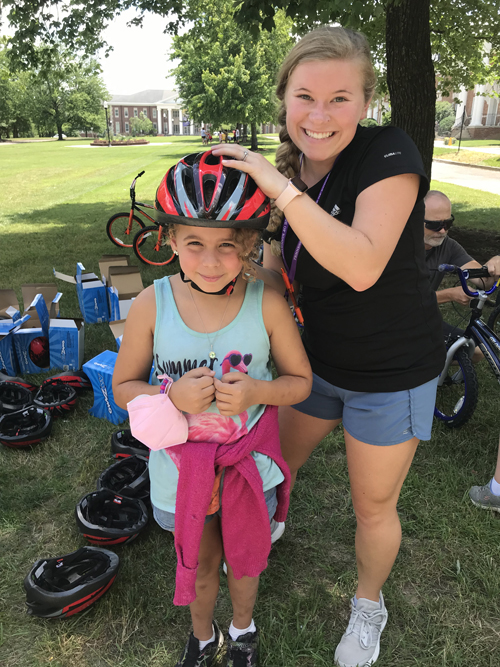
(455, 294)
(270, 272)
(493, 266)
(357, 254)
(235, 392)
(135, 357)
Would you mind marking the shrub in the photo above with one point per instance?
(369, 122)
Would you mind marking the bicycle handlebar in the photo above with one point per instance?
(467, 274)
(132, 187)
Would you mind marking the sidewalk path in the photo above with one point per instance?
(466, 176)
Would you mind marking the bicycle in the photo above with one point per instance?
(124, 227)
(152, 246)
(458, 387)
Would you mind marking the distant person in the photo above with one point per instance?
(237, 136)
(203, 136)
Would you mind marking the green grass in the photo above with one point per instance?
(443, 594)
(468, 157)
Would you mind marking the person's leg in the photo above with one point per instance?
(376, 475)
(300, 434)
(243, 594)
(488, 496)
(207, 580)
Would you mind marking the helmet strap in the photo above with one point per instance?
(225, 290)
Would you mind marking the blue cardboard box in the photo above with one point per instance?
(66, 343)
(31, 339)
(8, 359)
(100, 372)
(124, 284)
(91, 293)
(49, 292)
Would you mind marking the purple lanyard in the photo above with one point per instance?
(293, 267)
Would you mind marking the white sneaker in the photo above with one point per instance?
(360, 644)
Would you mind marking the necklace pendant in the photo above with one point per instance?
(212, 354)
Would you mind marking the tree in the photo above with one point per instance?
(140, 125)
(15, 99)
(67, 92)
(407, 37)
(225, 76)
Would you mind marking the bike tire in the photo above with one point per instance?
(147, 249)
(117, 229)
(456, 398)
(494, 320)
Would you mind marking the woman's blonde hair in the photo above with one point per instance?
(324, 43)
(248, 242)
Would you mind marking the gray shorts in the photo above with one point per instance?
(376, 418)
(166, 520)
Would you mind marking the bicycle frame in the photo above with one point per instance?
(477, 332)
(135, 205)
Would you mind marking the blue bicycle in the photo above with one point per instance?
(458, 387)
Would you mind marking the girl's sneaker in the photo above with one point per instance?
(360, 644)
(244, 652)
(193, 657)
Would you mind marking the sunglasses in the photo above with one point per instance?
(438, 225)
(235, 359)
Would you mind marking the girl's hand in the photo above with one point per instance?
(234, 393)
(267, 177)
(194, 391)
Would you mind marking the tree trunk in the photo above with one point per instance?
(254, 146)
(410, 73)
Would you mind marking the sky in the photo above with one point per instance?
(139, 60)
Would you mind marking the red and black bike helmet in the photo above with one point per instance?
(18, 381)
(25, 428)
(56, 397)
(105, 518)
(61, 587)
(202, 192)
(128, 477)
(123, 445)
(14, 397)
(76, 379)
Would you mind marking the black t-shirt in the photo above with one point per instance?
(449, 252)
(388, 337)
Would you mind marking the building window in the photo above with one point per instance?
(176, 128)
(154, 113)
(116, 112)
(145, 112)
(155, 126)
(126, 128)
(117, 126)
(175, 114)
(136, 114)
(125, 112)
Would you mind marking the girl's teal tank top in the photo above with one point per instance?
(243, 345)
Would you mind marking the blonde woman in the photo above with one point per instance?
(348, 226)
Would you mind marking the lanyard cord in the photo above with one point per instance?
(293, 266)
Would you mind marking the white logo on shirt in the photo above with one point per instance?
(335, 210)
(391, 154)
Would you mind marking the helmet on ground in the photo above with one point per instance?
(18, 381)
(128, 477)
(105, 518)
(56, 397)
(61, 587)
(14, 397)
(25, 428)
(123, 444)
(202, 192)
(76, 379)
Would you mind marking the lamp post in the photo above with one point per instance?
(105, 105)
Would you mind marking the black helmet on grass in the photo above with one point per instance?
(61, 587)
(76, 379)
(14, 397)
(123, 445)
(128, 477)
(25, 428)
(56, 397)
(105, 518)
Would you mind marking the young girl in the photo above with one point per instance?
(211, 328)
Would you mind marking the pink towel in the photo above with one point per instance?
(245, 525)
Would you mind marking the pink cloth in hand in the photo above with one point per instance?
(155, 421)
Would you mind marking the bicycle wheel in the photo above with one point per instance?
(153, 249)
(457, 397)
(494, 320)
(119, 232)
